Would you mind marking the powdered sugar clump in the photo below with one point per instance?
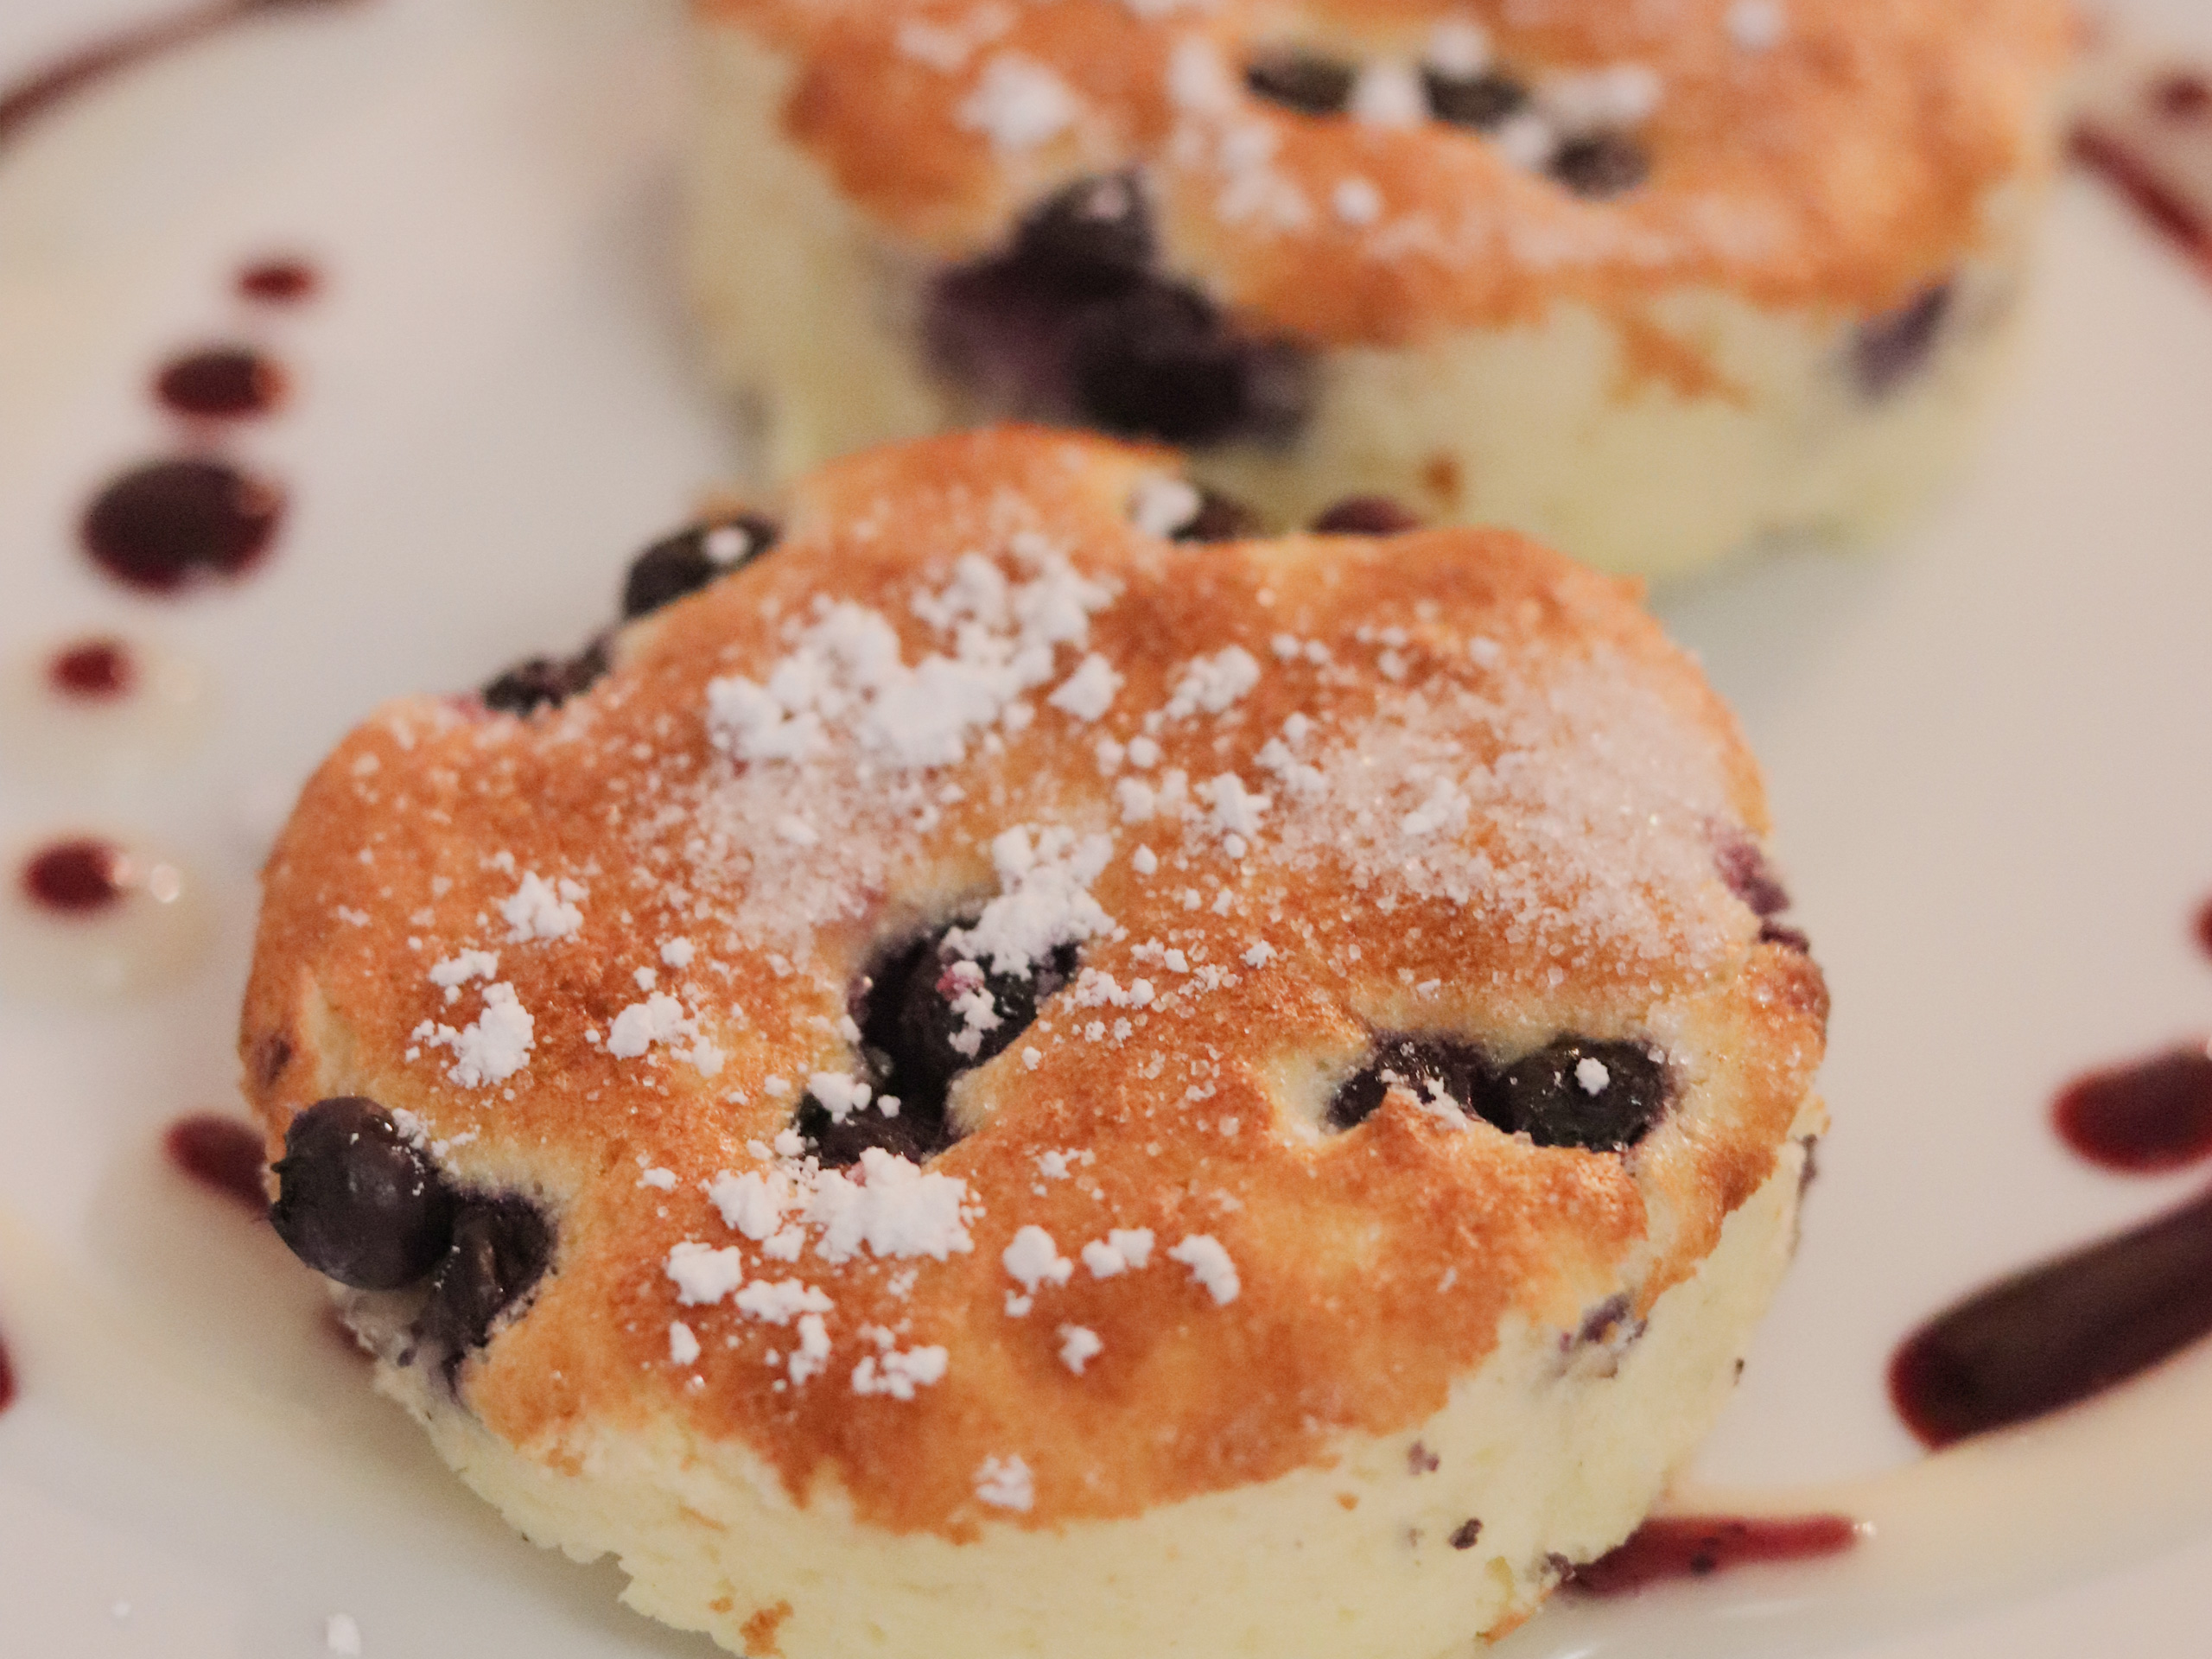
(1088, 692)
(1209, 1265)
(1006, 1483)
(897, 1373)
(1033, 1259)
(542, 909)
(1211, 684)
(1043, 901)
(661, 1019)
(1121, 1250)
(894, 1209)
(1019, 104)
(493, 1047)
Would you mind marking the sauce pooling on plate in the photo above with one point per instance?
(158, 525)
(93, 671)
(2155, 1115)
(223, 1155)
(1697, 1546)
(77, 877)
(221, 382)
(284, 280)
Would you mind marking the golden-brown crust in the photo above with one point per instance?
(1844, 166)
(1376, 1266)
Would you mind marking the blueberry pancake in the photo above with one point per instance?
(1651, 281)
(1001, 1072)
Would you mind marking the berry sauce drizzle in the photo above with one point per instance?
(7, 1379)
(221, 382)
(281, 281)
(74, 878)
(2150, 138)
(2202, 927)
(2055, 1335)
(157, 526)
(2153, 1115)
(88, 66)
(223, 1155)
(1698, 1545)
(93, 671)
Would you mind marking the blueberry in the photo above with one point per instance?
(1424, 1064)
(688, 561)
(1601, 165)
(1465, 1534)
(1163, 362)
(1092, 240)
(356, 1200)
(1478, 101)
(1891, 349)
(546, 682)
(500, 1249)
(914, 1043)
(1220, 519)
(1365, 515)
(1574, 1092)
(1304, 81)
(1743, 866)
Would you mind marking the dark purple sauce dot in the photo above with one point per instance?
(2056, 1334)
(1892, 349)
(76, 878)
(1420, 1460)
(1366, 515)
(1697, 1546)
(501, 1248)
(356, 1199)
(688, 561)
(280, 281)
(1465, 1536)
(222, 1154)
(1304, 81)
(223, 382)
(7, 1379)
(2183, 96)
(158, 525)
(93, 671)
(1743, 865)
(2155, 1115)
(1480, 102)
(1601, 166)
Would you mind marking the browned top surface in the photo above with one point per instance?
(1845, 165)
(1576, 892)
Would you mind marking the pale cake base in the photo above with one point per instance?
(1559, 1451)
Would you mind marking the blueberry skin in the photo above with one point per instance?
(1480, 102)
(1604, 165)
(357, 1201)
(1303, 81)
(501, 1248)
(690, 559)
(547, 682)
(1092, 240)
(1366, 515)
(1545, 1099)
(1890, 350)
(1420, 1064)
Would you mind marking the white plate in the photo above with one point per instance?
(1987, 747)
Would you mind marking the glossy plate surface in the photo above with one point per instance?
(1987, 746)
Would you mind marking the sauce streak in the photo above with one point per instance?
(159, 525)
(223, 1155)
(2058, 1334)
(2153, 1115)
(279, 282)
(223, 382)
(7, 1379)
(1698, 1545)
(88, 66)
(2151, 140)
(93, 671)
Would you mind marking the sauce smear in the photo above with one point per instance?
(75, 878)
(2058, 1334)
(93, 671)
(2155, 1115)
(223, 1155)
(1697, 1546)
(86, 67)
(7, 1379)
(159, 525)
(222, 383)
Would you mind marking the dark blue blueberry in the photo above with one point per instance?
(1481, 102)
(1366, 515)
(1546, 1096)
(356, 1200)
(1601, 165)
(1220, 519)
(1092, 241)
(546, 682)
(501, 1248)
(1892, 349)
(1164, 362)
(688, 561)
(1304, 81)
(1743, 865)
(1422, 1065)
